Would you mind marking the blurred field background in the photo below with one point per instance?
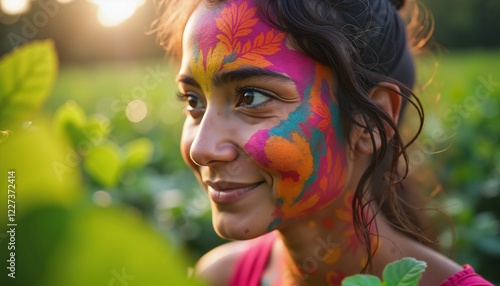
(103, 195)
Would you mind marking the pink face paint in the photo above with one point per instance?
(306, 151)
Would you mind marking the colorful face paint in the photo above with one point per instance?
(306, 152)
(241, 39)
(334, 278)
(344, 215)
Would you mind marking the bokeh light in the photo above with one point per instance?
(136, 110)
(102, 198)
(15, 7)
(112, 13)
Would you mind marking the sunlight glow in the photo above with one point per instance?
(112, 12)
(15, 7)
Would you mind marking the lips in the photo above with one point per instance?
(223, 192)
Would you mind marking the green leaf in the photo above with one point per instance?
(104, 246)
(103, 164)
(26, 75)
(50, 172)
(97, 129)
(137, 153)
(101, 124)
(68, 120)
(361, 280)
(404, 272)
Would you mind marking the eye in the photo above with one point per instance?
(251, 97)
(192, 100)
(194, 103)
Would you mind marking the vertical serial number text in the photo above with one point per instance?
(11, 223)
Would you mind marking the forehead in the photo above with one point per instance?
(201, 21)
(240, 35)
(229, 22)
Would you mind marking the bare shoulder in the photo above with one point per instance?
(216, 266)
(439, 267)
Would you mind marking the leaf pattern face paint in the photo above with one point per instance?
(306, 152)
(240, 40)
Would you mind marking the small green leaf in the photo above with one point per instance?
(26, 75)
(404, 272)
(97, 129)
(103, 164)
(361, 280)
(68, 120)
(137, 153)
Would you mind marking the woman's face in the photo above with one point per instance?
(262, 132)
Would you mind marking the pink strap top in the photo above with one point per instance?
(466, 277)
(251, 264)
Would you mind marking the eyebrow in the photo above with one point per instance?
(223, 78)
(188, 80)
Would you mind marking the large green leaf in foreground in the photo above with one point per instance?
(26, 78)
(404, 272)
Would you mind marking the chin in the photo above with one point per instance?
(232, 228)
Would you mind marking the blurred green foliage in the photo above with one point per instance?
(466, 24)
(62, 230)
(461, 95)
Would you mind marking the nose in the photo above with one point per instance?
(213, 142)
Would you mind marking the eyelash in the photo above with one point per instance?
(181, 96)
(185, 97)
(240, 91)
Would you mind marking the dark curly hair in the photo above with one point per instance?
(364, 47)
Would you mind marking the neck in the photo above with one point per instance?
(322, 248)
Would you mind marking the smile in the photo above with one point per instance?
(229, 192)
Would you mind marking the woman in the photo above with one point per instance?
(292, 108)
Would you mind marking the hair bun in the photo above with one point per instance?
(398, 3)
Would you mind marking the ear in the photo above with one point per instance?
(386, 96)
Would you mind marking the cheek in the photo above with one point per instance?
(306, 154)
(286, 156)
